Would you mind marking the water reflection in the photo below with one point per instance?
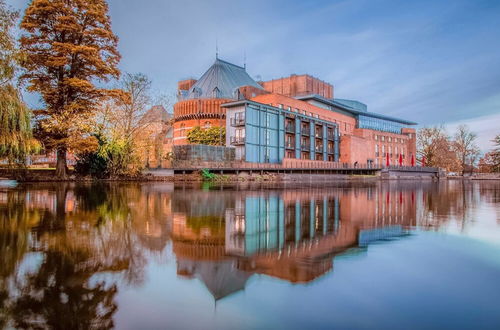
(55, 238)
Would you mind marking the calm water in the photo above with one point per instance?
(359, 256)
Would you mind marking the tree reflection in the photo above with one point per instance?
(81, 231)
(59, 296)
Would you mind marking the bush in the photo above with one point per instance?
(212, 136)
(207, 175)
(93, 164)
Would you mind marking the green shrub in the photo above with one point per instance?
(207, 175)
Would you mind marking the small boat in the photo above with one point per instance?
(7, 183)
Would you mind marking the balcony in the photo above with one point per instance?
(290, 128)
(290, 144)
(305, 146)
(330, 136)
(318, 148)
(237, 140)
(237, 121)
(305, 131)
(331, 151)
(318, 135)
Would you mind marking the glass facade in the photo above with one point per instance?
(379, 124)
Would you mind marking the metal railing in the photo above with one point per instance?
(290, 144)
(412, 168)
(237, 140)
(318, 148)
(290, 128)
(305, 146)
(237, 121)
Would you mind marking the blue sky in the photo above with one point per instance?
(433, 62)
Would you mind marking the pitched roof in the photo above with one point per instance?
(220, 81)
(156, 113)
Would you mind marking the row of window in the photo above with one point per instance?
(379, 124)
(389, 150)
(183, 130)
(342, 125)
(388, 138)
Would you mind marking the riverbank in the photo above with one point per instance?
(170, 175)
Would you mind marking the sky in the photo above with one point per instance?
(429, 61)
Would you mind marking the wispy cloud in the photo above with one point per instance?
(428, 61)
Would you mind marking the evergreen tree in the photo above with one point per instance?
(69, 45)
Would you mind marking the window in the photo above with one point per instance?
(240, 133)
(383, 149)
(289, 108)
(383, 138)
(280, 106)
(207, 124)
(390, 139)
(376, 137)
(182, 130)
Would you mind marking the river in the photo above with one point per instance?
(373, 255)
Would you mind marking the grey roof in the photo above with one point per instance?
(222, 278)
(353, 104)
(349, 108)
(221, 81)
(156, 113)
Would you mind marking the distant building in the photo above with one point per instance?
(155, 138)
(296, 117)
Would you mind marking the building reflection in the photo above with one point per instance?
(291, 234)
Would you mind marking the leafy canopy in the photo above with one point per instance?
(68, 45)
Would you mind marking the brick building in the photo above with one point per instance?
(292, 117)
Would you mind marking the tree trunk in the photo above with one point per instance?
(61, 164)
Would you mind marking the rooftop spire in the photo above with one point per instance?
(216, 49)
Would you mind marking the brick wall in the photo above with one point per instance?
(296, 85)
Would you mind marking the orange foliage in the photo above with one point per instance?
(68, 46)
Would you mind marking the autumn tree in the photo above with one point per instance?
(495, 155)
(16, 140)
(120, 122)
(464, 145)
(486, 163)
(69, 46)
(434, 144)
